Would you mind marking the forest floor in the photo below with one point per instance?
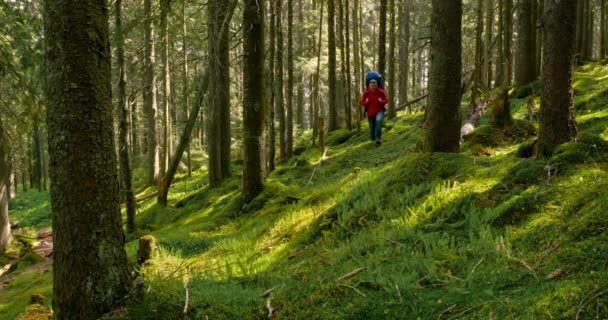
(383, 232)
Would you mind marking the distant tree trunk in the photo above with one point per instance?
(289, 119)
(164, 35)
(557, 121)
(343, 97)
(487, 61)
(580, 19)
(270, 87)
(186, 86)
(317, 105)
(590, 28)
(443, 115)
(585, 54)
(278, 85)
(5, 226)
(300, 77)
(392, 73)
(526, 57)
(476, 86)
(603, 30)
(253, 96)
(184, 141)
(500, 59)
(539, 36)
(90, 270)
(150, 107)
(135, 142)
(218, 122)
(507, 41)
(332, 79)
(126, 180)
(382, 37)
(349, 103)
(404, 51)
(24, 174)
(10, 167)
(357, 57)
(37, 157)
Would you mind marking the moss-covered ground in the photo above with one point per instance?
(490, 233)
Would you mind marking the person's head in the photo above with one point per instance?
(373, 84)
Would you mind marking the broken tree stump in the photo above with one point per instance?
(147, 247)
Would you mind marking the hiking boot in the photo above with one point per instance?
(378, 142)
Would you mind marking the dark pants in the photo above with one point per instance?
(375, 126)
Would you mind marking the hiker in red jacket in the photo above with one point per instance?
(373, 100)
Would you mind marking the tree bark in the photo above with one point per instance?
(317, 104)
(90, 271)
(332, 79)
(487, 61)
(404, 51)
(253, 96)
(499, 75)
(290, 81)
(507, 41)
(150, 107)
(278, 84)
(300, 77)
(37, 157)
(392, 73)
(602, 30)
(525, 58)
(382, 38)
(186, 86)
(271, 92)
(218, 122)
(5, 226)
(557, 121)
(164, 35)
(443, 116)
(357, 56)
(126, 180)
(349, 102)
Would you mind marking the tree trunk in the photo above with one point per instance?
(487, 61)
(443, 116)
(557, 121)
(525, 58)
(270, 87)
(507, 41)
(126, 180)
(5, 226)
(317, 105)
(218, 122)
(332, 79)
(186, 86)
(135, 142)
(253, 96)
(499, 75)
(349, 102)
(404, 50)
(539, 37)
(382, 37)
(343, 96)
(150, 107)
(278, 84)
(300, 76)
(602, 30)
(357, 57)
(184, 141)
(37, 157)
(289, 119)
(392, 73)
(12, 181)
(164, 35)
(476, 86)
(90, 270)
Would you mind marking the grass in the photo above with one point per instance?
(439, 236)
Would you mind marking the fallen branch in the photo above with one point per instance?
(411, 102)
(267, 292)
(351, 287)
(187, 296)
(271, 310)
(469, 126)
(147, 196)
(350, 274)
(323, 159)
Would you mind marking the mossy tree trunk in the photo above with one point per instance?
(525, 58)
(123, 143)
(557, 121)
(443, 115)
(253, 98)
(90, 271)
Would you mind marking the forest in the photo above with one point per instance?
(303, 159)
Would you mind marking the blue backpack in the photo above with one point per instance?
(375, 75)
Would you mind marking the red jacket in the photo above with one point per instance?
(374, 101)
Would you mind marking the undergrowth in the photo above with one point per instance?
(476, 235)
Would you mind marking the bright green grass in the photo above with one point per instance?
(450, 236)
